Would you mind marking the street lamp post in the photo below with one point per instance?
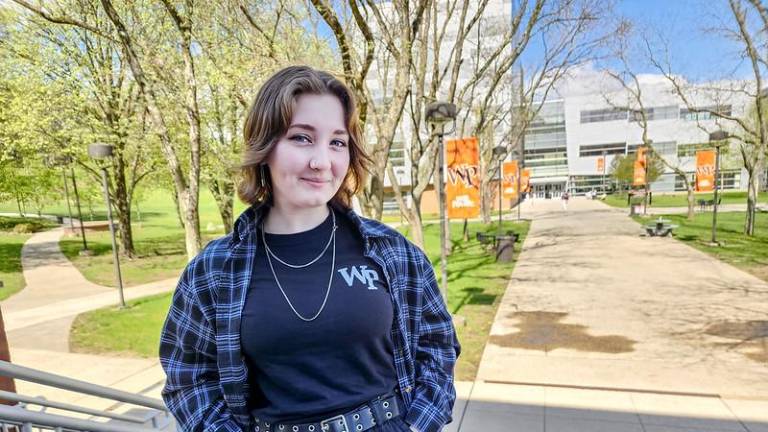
(100, 152)
(717, 139)
(499, 152)
(437, 114)
(85, 250)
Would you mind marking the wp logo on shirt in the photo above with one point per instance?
(363, 274)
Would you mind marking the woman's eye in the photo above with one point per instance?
(301, 138)
(338, 143)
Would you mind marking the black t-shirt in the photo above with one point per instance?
(307, 370)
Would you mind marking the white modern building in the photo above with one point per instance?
(589, 122)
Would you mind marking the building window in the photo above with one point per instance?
(656, 113)
(397, 154)
(690, 149)
(603, 115)
(583, 184)
(600, 149)
(665, 148)
(689, 115)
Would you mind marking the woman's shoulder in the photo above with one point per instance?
(394, 239)
(206, 265)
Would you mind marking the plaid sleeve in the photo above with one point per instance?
(188, 356)
(435, 356)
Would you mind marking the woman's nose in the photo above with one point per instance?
(320, 158)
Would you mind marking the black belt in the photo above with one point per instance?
(360, 419)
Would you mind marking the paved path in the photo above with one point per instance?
(41, 314)
(602, 329)
(38, 320)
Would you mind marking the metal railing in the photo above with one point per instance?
(19, 418)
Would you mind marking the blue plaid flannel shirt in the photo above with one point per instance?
(207, 388)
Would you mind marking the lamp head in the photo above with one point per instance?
(439, 113)
(718, 135)
(100, 151)
(499, 151)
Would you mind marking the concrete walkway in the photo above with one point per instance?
(604, 329)
(41, 315)
(38, 321)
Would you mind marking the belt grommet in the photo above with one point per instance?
(356, 416)
(389, 415)
(295, 429)
(359, 427)
(311, 428)
(385, 404)
(281, 427)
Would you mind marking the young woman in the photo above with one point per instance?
(307, 317)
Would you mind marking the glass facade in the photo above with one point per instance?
(688, 115)
(545, 143)
(583, 184)
(603, 115)
(600, 149)
(670, 112)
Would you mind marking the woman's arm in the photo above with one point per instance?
(435, 357)
(188, 355)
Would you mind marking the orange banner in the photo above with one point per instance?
(601, 165)
(638, 178)
(705, 170)
(525, 180)
(462, 158)
(509, 183)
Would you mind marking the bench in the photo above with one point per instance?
(704, 204)
(660, 228)
(92, 226)
(490, 239)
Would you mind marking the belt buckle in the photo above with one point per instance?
(325, 424)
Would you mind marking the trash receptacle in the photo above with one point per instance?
(634, 209)
(505, 248)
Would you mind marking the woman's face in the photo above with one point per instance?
(309, 163)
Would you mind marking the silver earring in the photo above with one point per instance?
(262, 175)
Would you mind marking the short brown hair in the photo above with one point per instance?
(270, 116)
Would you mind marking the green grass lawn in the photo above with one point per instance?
(158, 239)
(10, 253)
(132, 331)
(747, 253)
(476, 284)
(10, 263)
(681, 199)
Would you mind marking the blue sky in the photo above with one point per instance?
(696, 50)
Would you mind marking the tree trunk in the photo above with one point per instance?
(193, 242)
(6, 384)
(223, 192)
(691, 200)
(485, 201)
(372, 198)
(417, 230)
(414, 219)
(752, 187)
(123, 206)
